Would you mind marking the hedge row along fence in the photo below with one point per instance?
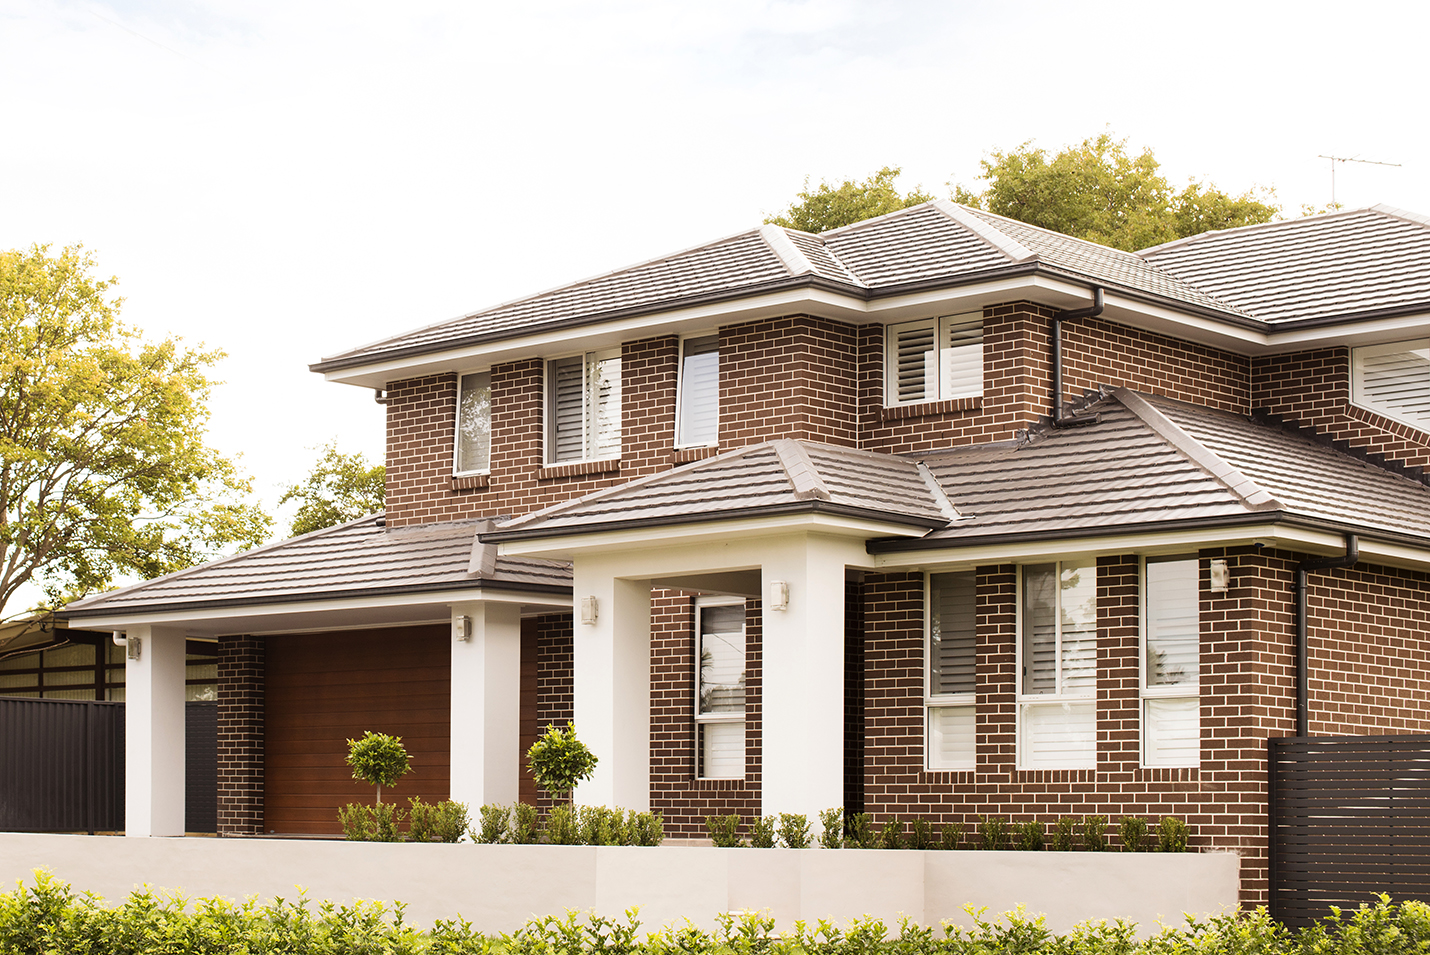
(49, 917)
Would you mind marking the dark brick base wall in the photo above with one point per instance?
(240, 735)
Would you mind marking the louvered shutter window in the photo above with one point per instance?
(583, 418)
(1059, 666)
(953, 647)
(913, 353)
(566, 418)
(933, 359)
(1394, 380)
(962, 357)
(720, 688)
(474, 424)
(603, 407)
(699, 421)
(1171, 708)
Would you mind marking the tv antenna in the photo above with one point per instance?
(1336, 159)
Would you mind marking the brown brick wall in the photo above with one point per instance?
(1098, 352)
(682, 800)
(790, 377)
(240, 735)
(1313, 388)
(555, 666)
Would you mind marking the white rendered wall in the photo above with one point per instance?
(154, 734)
(499, 888)
(486, 705)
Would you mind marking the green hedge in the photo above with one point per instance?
(48, 918)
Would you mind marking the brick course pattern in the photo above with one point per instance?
(791, 377)
(555, 666)
(240, 735)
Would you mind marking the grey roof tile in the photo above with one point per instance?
(912, 245)
(351, 559)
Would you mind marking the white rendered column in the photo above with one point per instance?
(612, 685)
(802, 691)
(486, 705)
(154, 733)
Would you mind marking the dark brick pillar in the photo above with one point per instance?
(240, 735)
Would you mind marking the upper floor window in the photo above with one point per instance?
(720, 688)
(1057, 692)
(934, 358)
(1394, 380)
(583, 400)
(1171, 659)
(952, 658)
(697, 420)
(474, 424)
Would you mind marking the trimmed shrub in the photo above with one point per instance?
(436, 822)
(921, 834)
(563, 826)
(379, 823)
(378, 760)
(1064, 838)
(1028, 836)
(992, 832)
(645, 828)
(724, 830)
(1171, 835)
(1133, 832)
(891, 836)
(558, 761)
(1094, 833)
(525, 825)
(951, 836)
(860, 831)
(601, 826)
(794, 830)
(762, 832)
(495, 819)
(831, 822)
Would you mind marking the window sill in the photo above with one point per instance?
(471, 482)
(578, 468)
(686, 455)
(927, 409)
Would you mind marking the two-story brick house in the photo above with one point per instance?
(788, 522)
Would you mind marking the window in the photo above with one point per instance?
(952, 649)
(1394, 380)
(474, 424)
(1171, 640)
(934, 359)
(697, 420)
(583, 420)
(720, 688)
(1057, 709)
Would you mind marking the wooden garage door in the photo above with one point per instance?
(324, 689)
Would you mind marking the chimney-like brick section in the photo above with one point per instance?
(240, 735)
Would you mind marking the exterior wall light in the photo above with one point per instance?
(778, 596)
(462, 629)
(1220, 577)
(588, 611)
(131, 645)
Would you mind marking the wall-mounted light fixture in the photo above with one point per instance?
(1220, 576)
(462, 628)
(131, 645)
(588, 611)
(778, 595)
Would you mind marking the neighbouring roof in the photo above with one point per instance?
(1328, 266)
(361, 558)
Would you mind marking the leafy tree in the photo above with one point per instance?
(378, 759)
(830, 207)
(559, 761)
(340, 488)
(1097, 191)
(104, 470)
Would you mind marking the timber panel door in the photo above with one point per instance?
(326, 688)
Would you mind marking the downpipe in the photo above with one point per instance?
(1059, 417)
(1303, 666)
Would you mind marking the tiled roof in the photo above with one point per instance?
(766, 478)
(1328, 265)
(359, 558)
(915, 244)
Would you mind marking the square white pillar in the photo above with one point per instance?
(802, 693)
(486, 704)
(612, 684)
(154, 733)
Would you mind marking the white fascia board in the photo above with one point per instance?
(254, 615)
(1301, 540)
(1373, 332)
(568, 548)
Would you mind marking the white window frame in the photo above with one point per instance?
(942, 357)
(681, 397)
(1180, 691)
(703, 719)
(549, 416)
(939, 701)
(457, 432)
(1026, 702)
(1358, 391)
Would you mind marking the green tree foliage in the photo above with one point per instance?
(104, 469)
(559, 761)
(831, 206)
(1098, 191)
(340, 488)
(378, 759)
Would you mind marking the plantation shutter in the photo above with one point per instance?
(1398, 381)
(1059, 735)
(962, 357)
(722, 658)
(1173, 732)
(952, 737)
(722, 750)
(1173, 623)
(603, 414)
(700, 392)
(1040, 634)
(474, 423)
(953, 633)
(565, 420)
(1078, 639)
(914, 357)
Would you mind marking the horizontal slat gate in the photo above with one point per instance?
(1349, 817)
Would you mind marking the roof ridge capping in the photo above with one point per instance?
(800, 470)
(794, 261)
(1399, 213)
(1251, 494)
(985, 230)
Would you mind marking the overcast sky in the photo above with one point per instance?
(285, 180)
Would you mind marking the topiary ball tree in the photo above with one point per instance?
(378, 759)
(559, 761)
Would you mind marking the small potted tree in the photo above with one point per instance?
(380, 760)
(559, 761)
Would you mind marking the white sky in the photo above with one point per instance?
(285, 180)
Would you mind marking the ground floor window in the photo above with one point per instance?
(952, 641)
(1057, 665)
(720, 688)
(1171, 660)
